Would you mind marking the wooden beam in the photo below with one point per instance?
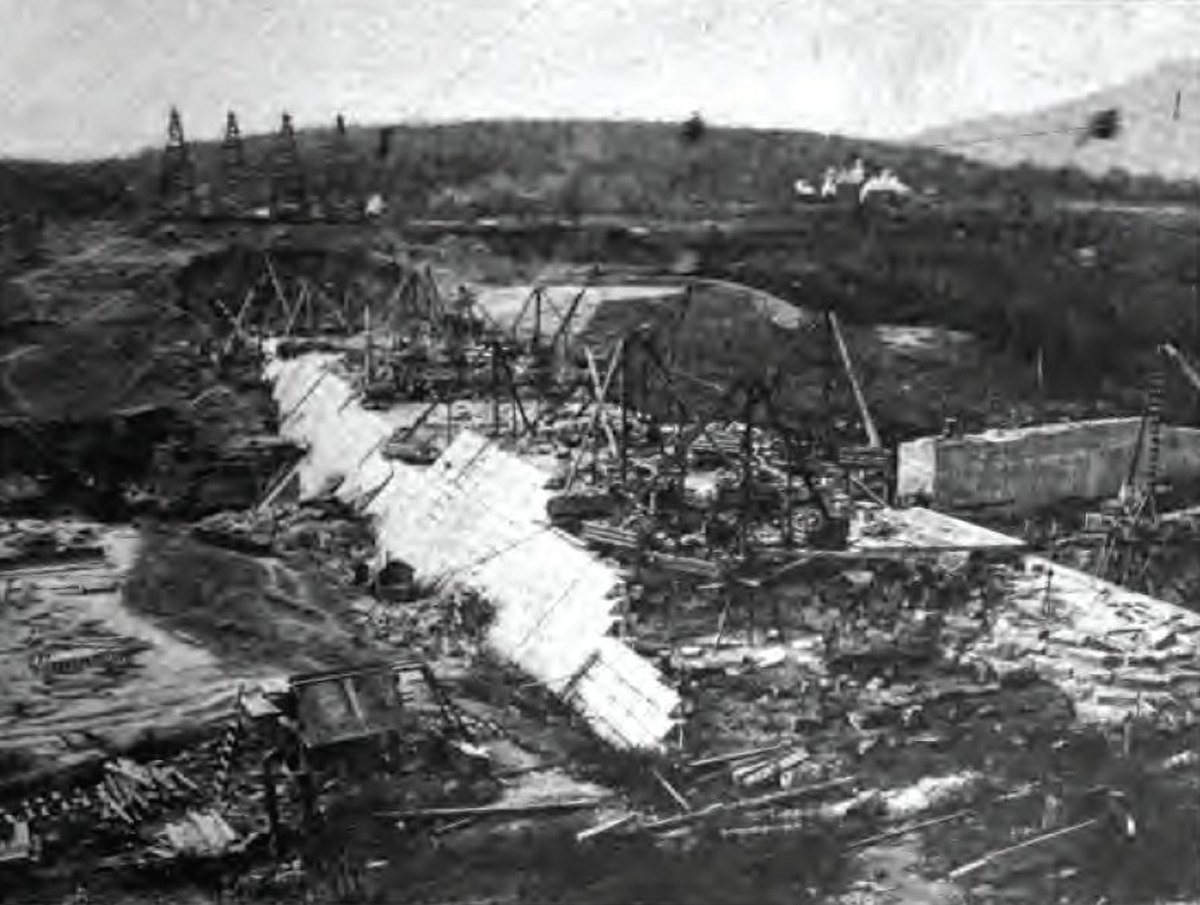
(537, 317)
(237, 321)
(368, 361)
(392, 308)
(279, 293)
(722, 759)
(675, 794)
(421, 419)
(516, 397)
(748, 804)
(562, 331)
(599, 391)
(607, 827)
(549, 807)
(973, 866)
(333, 305)
(848, 366)
(301, 301)
(601, 413)
(521, 314)
(1169, 350)
(437, 307)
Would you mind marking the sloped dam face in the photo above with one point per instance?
(476, 518)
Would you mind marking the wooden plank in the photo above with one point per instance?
(524, 810)
(599, 391)
(607, 827)
(747, 804)
(979, 863)
(672, 791)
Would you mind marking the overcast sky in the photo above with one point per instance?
(90, 77)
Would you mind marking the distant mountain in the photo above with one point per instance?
(1160, 134)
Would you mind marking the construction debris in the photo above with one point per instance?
(435, 552)
(203, 834)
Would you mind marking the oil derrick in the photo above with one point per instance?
(289, 191)
(233, 169)
(177, 178)
(379, 181)
(343, 200)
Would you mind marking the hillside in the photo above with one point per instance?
(1152, 141)
(632, 168)
(493, 167)
(556, 169)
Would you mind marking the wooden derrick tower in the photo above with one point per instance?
(289, 189)
(343, 199)
(177, 176)
(234, 183)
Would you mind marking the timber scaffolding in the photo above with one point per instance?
(732, 499)
(583, 479)
(642, 466)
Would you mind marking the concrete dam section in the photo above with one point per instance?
(476, 518)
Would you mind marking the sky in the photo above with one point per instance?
(86, 78)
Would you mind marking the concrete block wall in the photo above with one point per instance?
(1027, 468)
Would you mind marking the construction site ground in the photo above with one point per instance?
(191, 596)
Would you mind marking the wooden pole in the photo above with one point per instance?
(747, 469)
(367, 338)
(624, 394)
(848, 366)
(747, 804)
(296, 310)
(979, 863)
(789, 529)
(549, 807)
(271, 804)
(681, 449)
(672, 592)
(271, 272)
(495, 389)
(683, 803)
(1192, 375)
(537, 318)
(749, 600)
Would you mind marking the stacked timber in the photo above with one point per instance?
(581, 504)
(605, 537)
